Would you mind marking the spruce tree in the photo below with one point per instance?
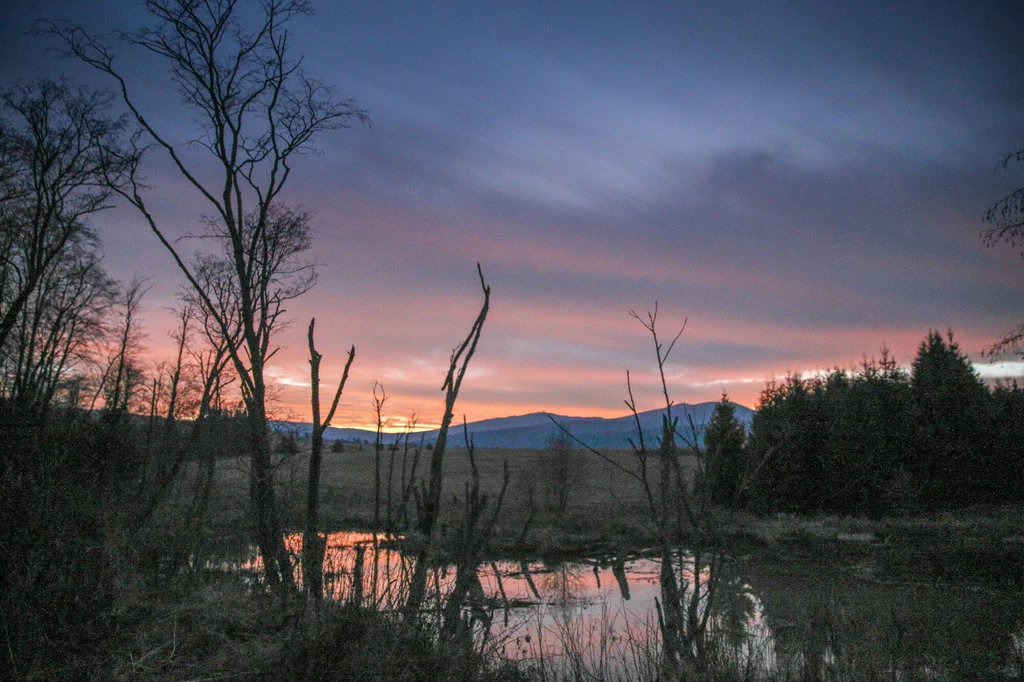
(726, 463)
(952, 457)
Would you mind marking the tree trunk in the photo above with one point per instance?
(276, 562)
(314, 545)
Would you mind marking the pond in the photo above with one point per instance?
(750, 619)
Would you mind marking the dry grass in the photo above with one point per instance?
(605, 506)
(222, 630)
(606, 513)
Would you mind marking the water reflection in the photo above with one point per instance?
(750, 621)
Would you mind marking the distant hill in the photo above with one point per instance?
(537, 429)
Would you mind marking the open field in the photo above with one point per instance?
(894, 591)
(603, 508)
(605, 513)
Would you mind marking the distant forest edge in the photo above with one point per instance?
(537, 430)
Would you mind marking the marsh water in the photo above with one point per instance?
(760, 620)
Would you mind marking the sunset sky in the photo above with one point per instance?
(802, 182)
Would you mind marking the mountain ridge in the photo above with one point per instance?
(536, 429)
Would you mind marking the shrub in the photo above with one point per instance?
(288, 444)
(562, 472)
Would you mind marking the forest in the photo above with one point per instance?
(878, 440)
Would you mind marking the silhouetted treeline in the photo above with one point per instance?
(882, 440)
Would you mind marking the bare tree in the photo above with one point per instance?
(124, 369)
(407, 476)
(62, 163)
(673, 498)
(379, 399)
(429, 495)
(562, 470)
(1006, 217)
(212, 365)
(472, 536)
(313, 544)
(401, 442)
(452, 383)
(673, 508)
(59, 329)
(256, 110)
(181, 339)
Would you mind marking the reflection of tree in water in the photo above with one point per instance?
(734, 609)
(828, 624)
(562, 585)
(619, 571)
(740, 639)
(782, 620)
(723, 629)
(363, 570)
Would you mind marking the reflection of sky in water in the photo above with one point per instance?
(590, 614)
(600, 617)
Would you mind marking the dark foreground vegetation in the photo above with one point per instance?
(104, 582)
(126, 535)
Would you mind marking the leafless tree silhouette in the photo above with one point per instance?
(313, 543)
(257, 110)
(674, 509)
(63, 160)
(428, 501)
(59, 331)
(1006, 217)
(452, 383)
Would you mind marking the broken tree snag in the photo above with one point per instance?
(428, 495)
(453, 381)
(313, 544)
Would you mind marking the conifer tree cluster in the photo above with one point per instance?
(876, 440)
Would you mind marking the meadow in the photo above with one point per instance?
(605, 513)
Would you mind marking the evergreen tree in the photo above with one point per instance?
(726, 462)
(880, 440)
(882, 399)
(952, 458)
(786, 430)
(1006, 426)
(835, 443)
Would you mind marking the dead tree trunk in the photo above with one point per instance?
(431, 502)
(378, 444)
(181, 337)
(276, 562)
(452, 383)
(474, 534)
(313, 543)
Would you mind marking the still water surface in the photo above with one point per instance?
(600, 616)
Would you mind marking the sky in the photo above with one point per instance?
(800, 183)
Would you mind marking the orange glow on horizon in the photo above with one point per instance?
(540, 356)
